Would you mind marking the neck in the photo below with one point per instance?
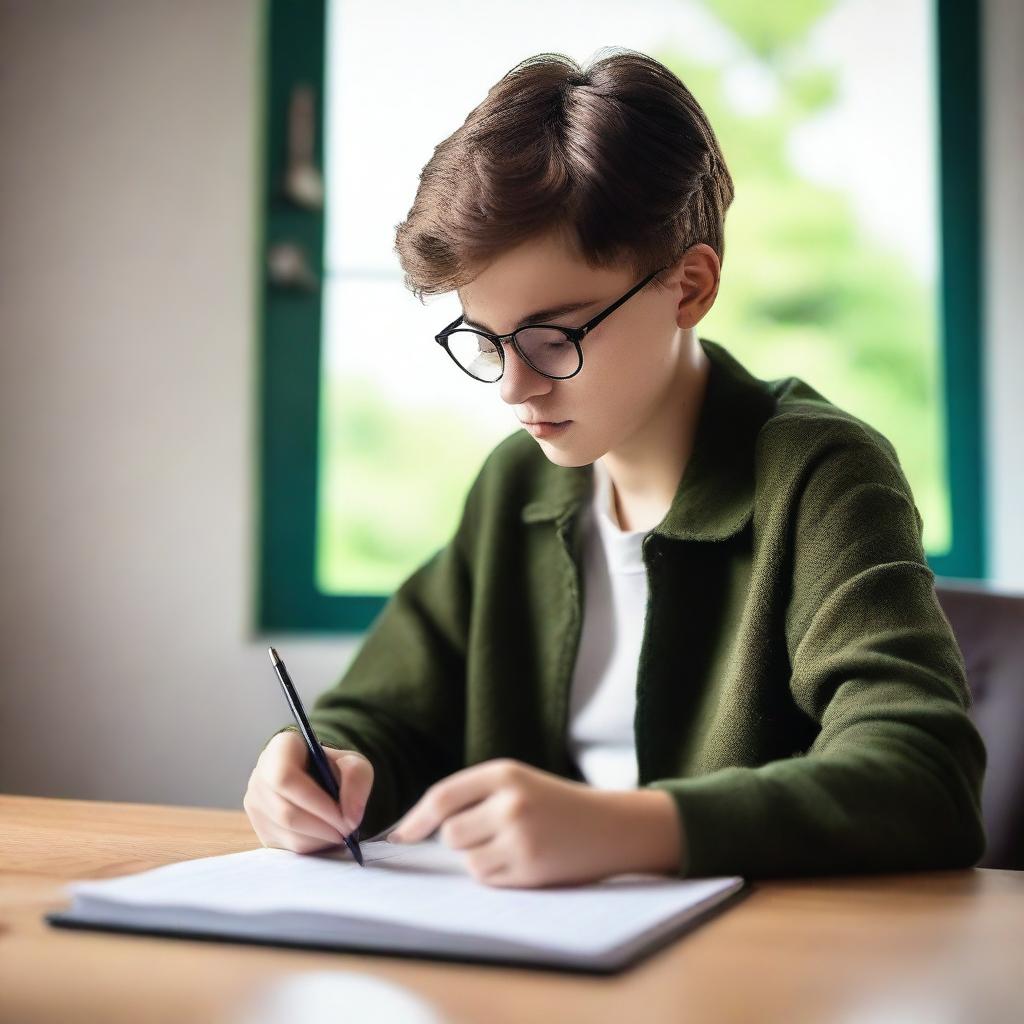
(647, 468)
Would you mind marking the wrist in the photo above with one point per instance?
(648, 832)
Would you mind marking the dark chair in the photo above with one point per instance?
(989, 627)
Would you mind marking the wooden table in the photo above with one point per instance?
(920, 947)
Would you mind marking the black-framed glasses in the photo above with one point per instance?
(551, 350)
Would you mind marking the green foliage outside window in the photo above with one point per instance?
(805, 291)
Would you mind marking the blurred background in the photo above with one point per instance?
(224, 422)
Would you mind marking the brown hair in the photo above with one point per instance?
(619, 156)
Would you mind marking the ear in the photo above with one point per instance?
(696, 275)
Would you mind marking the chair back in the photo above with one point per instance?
(989, 628)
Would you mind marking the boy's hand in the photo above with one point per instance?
(289, 810)
(521, 826)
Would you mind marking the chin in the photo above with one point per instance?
(564, 458)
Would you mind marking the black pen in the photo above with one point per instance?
(321, 769)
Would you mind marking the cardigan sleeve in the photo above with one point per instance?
(401, 700)
(893, 778)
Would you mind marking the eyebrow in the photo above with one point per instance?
(541, 314)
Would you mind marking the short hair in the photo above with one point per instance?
(619, 156)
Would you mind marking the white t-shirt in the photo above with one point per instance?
(602, 700)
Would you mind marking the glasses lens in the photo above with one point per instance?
(549, 350)
(475, 354)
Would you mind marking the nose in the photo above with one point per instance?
(520, 381)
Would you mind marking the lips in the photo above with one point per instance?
(547, 429)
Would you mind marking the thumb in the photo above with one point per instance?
(354, 774)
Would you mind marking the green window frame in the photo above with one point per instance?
(293, 41)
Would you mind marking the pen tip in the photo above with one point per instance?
(273, 655)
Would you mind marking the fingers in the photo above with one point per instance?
(272, 835)
(289, 809)
(355, 781)
(487, 863)
(298, 787)
(470, 828)
(452, 794)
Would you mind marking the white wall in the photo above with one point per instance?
(128, 351)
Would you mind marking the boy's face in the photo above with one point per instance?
(631, 361)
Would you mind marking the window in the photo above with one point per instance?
(851, 259)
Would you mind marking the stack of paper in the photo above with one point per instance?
(415, 900)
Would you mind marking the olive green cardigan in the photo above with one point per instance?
(799, 691)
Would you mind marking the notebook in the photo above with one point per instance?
(417, 900)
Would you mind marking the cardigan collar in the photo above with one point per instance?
(715, 497)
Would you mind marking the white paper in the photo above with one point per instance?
(423, 886)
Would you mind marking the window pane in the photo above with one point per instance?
(403, 432)
(828, 128)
